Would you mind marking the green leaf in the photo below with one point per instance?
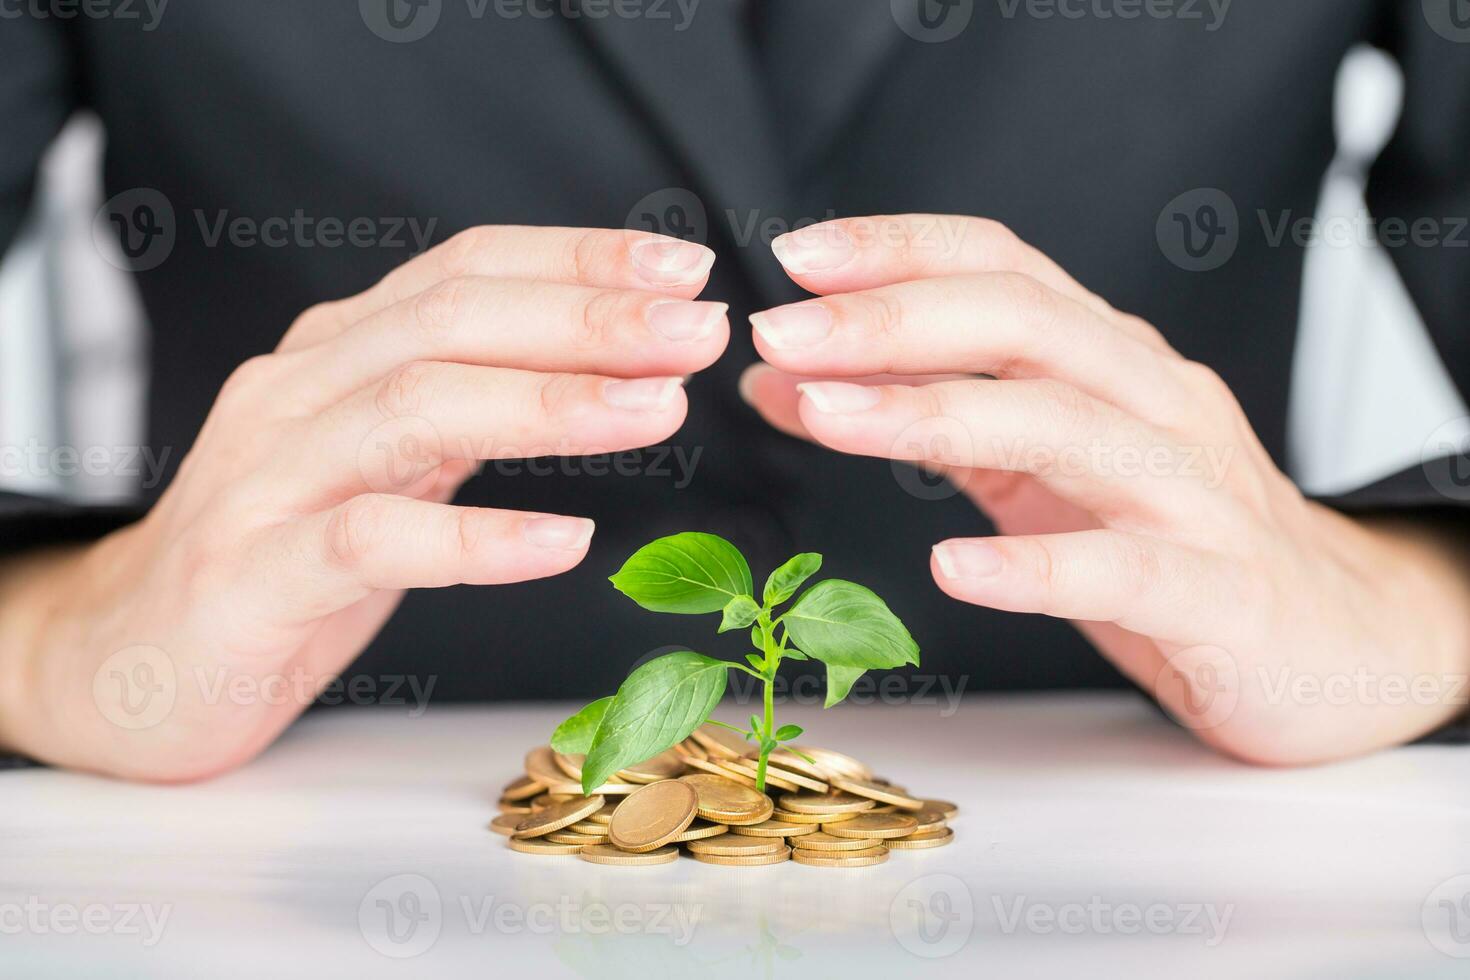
(756, 661)
(791, 653)
(784, 581)
(845, 624)
(787, 732)
(839, 682)
(740, 612)
(574, 736)
(685, 573)
(755, 727)
(658, 705)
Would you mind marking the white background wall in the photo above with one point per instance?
(1369, 388)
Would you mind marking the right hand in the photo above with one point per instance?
(318, 488)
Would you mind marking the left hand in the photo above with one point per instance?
(1129, 490)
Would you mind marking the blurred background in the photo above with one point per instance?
(73, 339)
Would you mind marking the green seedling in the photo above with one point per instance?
(841, 624)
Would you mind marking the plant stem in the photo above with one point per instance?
(773, 661)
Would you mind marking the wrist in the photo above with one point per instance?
(29, 593)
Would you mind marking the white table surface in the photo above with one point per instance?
(1095, 841)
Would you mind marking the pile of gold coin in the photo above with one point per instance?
(820, 808)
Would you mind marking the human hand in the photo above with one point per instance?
(1129, 490)
(318, 490)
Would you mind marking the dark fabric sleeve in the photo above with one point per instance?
(38, 92)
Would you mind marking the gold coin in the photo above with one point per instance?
(539, 846)
(668, 764)
(505, 823)
(739, 777)
(916, 842)
(654, 816)
(522, 789)
(721, 743)
(541, 766)
(548, 799)
(780, 778)
(929, 821)
(775, 828)
(570, 837)
(798, 765)
(825, 803)
(822, 841)
(747, 861)
(606, 789)
(787, 816)
(690, 749)
(699, 830)
(588, 827)
(841, 859)
(571, 765)
(875, 791)
(875, 826)
(834, 763)
(608, 854)
(945, 807)
(715, 769)
(557, 816)
(514, 806)
(722, 800)
(734, 845)
(604, 816)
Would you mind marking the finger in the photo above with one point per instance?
(604, 258)
(391, 436)
(775, 395)
(1003, 324)
(535, 326)
(330, 560)
(1086, 451)
(865, 253)
(1141, 584)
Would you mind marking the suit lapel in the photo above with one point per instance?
(821, 57)
(701, 89)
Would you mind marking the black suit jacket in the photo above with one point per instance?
(732, 125)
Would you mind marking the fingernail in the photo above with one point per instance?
(641, 395)
(747, 385)
(837, 398)
(685, 321)
(820, 248)
(792, 327)
(968, 559)
(562, 533)
(668, 262)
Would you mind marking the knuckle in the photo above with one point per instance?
(350, 532)
(881, 312)
(467, 253)
(251, 377)
(589, 254)
(469, 532)
(1139, 567)
(1073, 411)
(599, 315)
(558, 393)
(439, 308)
(402, 392)
(998, 243)
(1033, 303)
